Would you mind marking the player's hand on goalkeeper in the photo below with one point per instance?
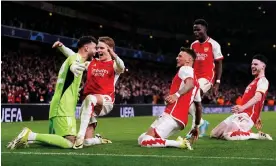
(194, 134)
(77, 68)
(57, 44)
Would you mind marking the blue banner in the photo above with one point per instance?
(71, 42)
(208, 109)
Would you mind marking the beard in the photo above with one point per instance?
(90, 56)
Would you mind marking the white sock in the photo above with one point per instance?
(173, 143)
(32, 137)
(240, 135)
(149, 141)
(87, 109)
(92, 141)
(140, 138)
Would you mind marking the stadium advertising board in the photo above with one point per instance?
(29, 112)
(208, 109)
(125, 111)
(24, 112)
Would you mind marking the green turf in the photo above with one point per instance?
(124, 133)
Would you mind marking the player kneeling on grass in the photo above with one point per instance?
(238, 125)
(184, 90)
(102, 75)
(63, 104)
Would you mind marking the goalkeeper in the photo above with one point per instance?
(63, 105)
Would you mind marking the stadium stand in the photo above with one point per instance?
(33, 79)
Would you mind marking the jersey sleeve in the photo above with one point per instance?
(186, 72)
(66, 51)
(71, 59)
(197, 96)
(216, 50)
(262, 85)
(191, 47)
(118, 65)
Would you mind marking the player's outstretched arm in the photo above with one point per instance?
(64, 50)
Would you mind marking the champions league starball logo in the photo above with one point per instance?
(74, 43)
(37, 36)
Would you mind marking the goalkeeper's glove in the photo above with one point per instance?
(77, 68)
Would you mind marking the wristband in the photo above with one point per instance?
(218, 81)
(177, 94)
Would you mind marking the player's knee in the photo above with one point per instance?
(140, 138)
(90, 99)
(213, 133)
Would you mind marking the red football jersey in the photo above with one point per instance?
(207, 53)
(257, 85)
(179, 110)
(101, 78)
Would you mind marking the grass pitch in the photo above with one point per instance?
(124, 150)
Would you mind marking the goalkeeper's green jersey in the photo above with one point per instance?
(65, 97)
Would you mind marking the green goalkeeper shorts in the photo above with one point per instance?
(63, 126)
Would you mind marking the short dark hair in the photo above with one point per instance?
(201, 22)
(191, 52)
(261, 58)
(85, 40)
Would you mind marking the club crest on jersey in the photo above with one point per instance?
(206, 49)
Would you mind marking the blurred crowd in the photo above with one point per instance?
(29, 77)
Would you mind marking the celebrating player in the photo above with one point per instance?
(238, 125)
(184, 90)
(209, 58)
(63, 105)
(99, 89)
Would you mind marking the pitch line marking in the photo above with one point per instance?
(138, 155)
